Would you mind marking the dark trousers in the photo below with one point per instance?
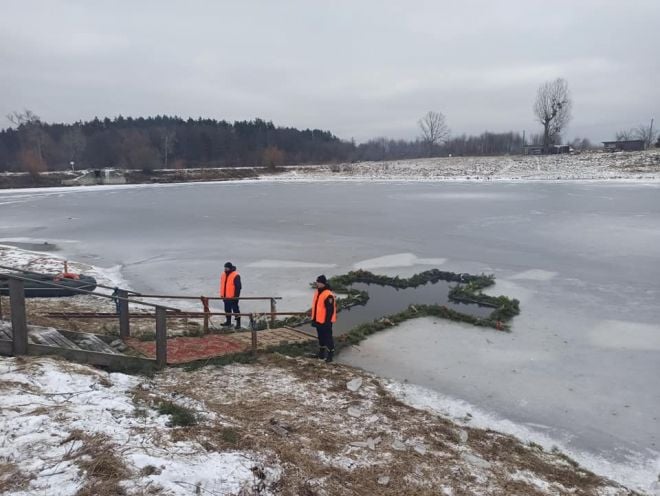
(231, 306)
(324, 332)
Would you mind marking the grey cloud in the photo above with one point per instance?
(360, 69)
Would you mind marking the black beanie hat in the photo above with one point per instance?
(228, 265)
(322, 279)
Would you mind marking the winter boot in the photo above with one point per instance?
(320, 355)
(238, 324)
(328, 359)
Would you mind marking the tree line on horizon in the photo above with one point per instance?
(172, 142)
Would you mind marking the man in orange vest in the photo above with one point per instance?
(230, 287)
(324, 313)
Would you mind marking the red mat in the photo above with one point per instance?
(189, 349)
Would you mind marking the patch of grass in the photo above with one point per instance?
(11, 478)
(229, 435)
(179, 415)
(242, 357)
(98, 462)
(146, 336)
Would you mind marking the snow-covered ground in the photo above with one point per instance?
(586, 166)
(58, 417)
(280, 426)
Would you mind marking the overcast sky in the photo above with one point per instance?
(360, 69)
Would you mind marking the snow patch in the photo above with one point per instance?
(397, 260)
(535, 275)
(44, 401)
(288, 264)
(618, 334)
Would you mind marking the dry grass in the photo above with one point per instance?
(12, 478)
(99, 463)
(303, 428)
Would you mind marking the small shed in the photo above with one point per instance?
(624, 145)
(552, 149)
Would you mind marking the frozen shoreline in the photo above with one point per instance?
(637, 474)
(619, 167)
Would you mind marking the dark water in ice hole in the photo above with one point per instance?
(387, 300)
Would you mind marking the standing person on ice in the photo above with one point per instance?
(230, 287)
(324, 313)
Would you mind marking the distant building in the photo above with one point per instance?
(624, 145)
(552, 149)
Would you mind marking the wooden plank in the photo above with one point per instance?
(300, 331)
(161, 338)
(18, 320)
(5, 333)
(37, 336)
(93, 343)
(124, 316)
(52, 337)
(116, 362)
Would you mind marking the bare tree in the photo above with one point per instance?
(29, 124)
(625, 134)
(434, 129)
(552, 108)
(647, 134)
(641, 132)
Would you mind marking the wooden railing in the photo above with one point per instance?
(20, 346)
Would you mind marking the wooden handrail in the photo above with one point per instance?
(84, 291)
(181, 297)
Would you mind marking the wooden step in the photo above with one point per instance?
(50, 337)
(90, 342)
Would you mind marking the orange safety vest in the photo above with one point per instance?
(318, 307)
(227, 288)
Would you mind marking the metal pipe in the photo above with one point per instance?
(84, 291)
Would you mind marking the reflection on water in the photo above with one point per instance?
(386, 300)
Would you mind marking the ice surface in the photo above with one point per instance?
(582, 258)
(397, 260)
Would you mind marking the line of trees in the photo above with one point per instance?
(162, 141)
(171, 142)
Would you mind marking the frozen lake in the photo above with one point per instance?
(583, 361)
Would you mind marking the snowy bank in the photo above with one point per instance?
(278, 426)
(635, 166)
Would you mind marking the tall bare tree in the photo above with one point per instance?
(552, 108)
(647, 134)
(434, 129)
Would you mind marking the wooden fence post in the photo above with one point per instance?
(161, 338)
(124, 322)
(253, 328)
(18, 321)
(273, 309)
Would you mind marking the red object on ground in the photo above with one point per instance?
(189, 349)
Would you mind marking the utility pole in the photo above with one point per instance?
(651, 133)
